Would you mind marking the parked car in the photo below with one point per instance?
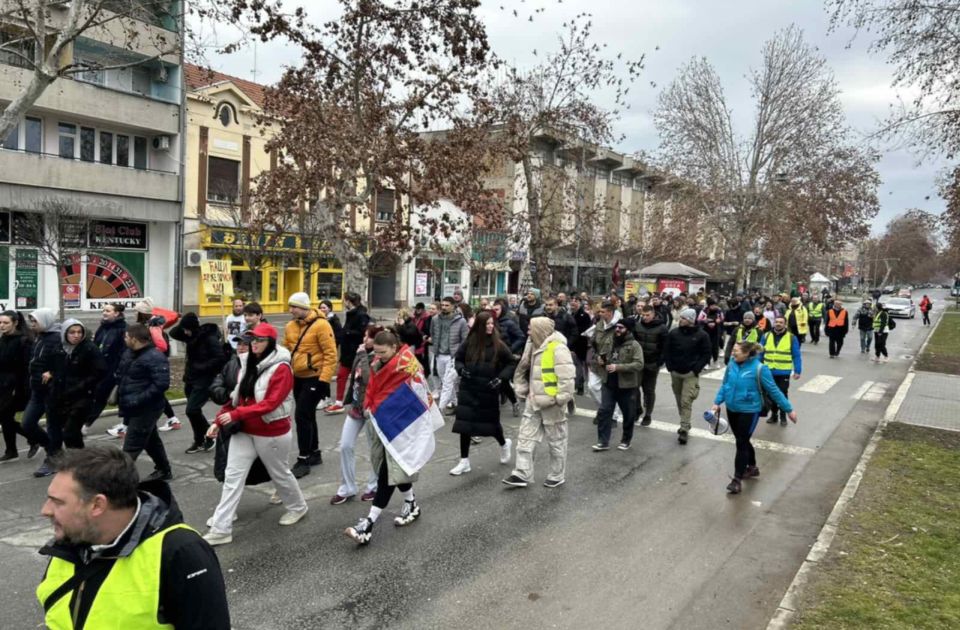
(904, 293)
(900, 307)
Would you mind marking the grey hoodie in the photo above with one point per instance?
(46, 317)
(64, 327)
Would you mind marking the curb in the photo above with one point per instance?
(787, 607)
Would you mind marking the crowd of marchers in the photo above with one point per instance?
(391, 382)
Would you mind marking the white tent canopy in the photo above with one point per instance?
(819, 277)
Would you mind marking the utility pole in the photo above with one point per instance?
(581, 193)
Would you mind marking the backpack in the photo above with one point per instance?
(890, 323)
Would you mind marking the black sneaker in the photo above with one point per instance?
(362, 532)
(646, 421)
(751, 472)
(624, 446)
(301, 468)
(682, 436)
(408, 513)
(207, 445)
(9, 456)
(599, 446)
(159, 475)
(734, 486)
(553, 483)
(34, 448)
(783, 420)
(45, 470)
(315, 458)
(196, 447)
(515, 482)
(772, 419)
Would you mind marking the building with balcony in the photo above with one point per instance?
(105, 144)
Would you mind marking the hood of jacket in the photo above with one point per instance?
(158, 510)
(64, 327)
(540, 329)
(279, 355)
(45, 318)
(617, 316)
(207, 329)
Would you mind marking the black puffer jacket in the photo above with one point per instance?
(355, 322)
(109, 339)
(144, 376)
(46, 350)
(511, 334)
(226, 381)
(478, 404)
(651, 337)
(205, 353)
(76, 375)
(687, 349)
(15, 353)
(566, 325)
(581, 344)
(408, 334)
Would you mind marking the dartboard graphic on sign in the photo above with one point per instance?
(107, 279)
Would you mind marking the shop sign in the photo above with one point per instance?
(71, 295)
(450, 289)
(216, 277)
(118, 235)
(634, 288)
(420, 284)
(697, 285)
(672, 286)
(25, 278)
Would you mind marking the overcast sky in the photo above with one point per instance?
(728, 33)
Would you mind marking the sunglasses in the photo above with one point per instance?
(262, 339)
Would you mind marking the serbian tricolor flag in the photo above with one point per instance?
(402, 411)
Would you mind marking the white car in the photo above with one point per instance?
(900, 307)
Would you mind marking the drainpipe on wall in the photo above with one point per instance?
(178, 239)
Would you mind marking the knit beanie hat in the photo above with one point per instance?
(749, 316)
(300, 300)
(190, 322)
(144, 306)
(688, 314)
(629, 323)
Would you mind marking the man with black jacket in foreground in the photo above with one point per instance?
(686, 352)
(121, 555)
(651, 333)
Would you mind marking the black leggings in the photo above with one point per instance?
(742, 425)
(506, 389)
(465, 441)
(926, 318)
(880, 343)
(384, 491)
(10, 429)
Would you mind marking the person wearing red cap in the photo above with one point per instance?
(258, 416)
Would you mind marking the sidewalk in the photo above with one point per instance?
(932, 401)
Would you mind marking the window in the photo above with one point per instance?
(17, 49)
(13, 139)
(106, 147)
(139, 153)
(90, 74)
(223, 180)
(385, 205)
(88, 144)
(68, 140)
(225, 114)
(141, 80)
(123, 150)
(33, 137)
(616, 179)
(329, 286)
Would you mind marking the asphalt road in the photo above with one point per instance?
(644, 538)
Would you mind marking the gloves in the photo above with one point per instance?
(495, 383)
(465, 373)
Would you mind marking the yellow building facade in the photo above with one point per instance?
(225, 150)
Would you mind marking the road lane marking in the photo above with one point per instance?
(820, 384)
(669, 427)
(863, 390)
(876, 392)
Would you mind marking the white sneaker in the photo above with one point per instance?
(505, 451)
(275, 498)
(84, 430)
(117, 430)
(462, 467)
(292, 517)
(172, 424)
(210, 520)
(213, 539)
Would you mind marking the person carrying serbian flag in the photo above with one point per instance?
(403, 417)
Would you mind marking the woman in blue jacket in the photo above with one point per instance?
(740, 392)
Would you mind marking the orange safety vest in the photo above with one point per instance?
(834, 320)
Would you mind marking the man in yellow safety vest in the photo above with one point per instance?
(815, 310)
(121, 556)
(781, 353)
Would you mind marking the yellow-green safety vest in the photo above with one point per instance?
(753, 335)
(128, 598)
(816, 310)
(877, 324)
(778, 356)
(547, 371)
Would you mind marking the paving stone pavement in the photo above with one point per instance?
(932, 401)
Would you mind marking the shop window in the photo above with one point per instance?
(223, 180)
(123, 150)
(273, 286)
(329, 286)
(106, 147)
(68, 140)
(88, 141)
(452, 276)
(243, 282)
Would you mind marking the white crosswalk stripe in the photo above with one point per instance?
(820, 384)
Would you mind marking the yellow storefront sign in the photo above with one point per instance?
(216, 277)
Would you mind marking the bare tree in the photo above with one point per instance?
(558, 99)
(58, 230)
(260, 237)
(798, 121)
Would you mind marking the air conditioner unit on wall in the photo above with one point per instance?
(194, 257)
(161, 143)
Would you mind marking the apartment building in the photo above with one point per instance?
(105, 143)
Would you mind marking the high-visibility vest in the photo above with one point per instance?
(753, 335)
(834, 320)
(877, 324)
(128, 598)
(778, 355)
(551, 385)
(816, 310)
(801, 314)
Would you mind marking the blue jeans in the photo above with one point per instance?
(348, 460)
(866, 336)
(30, 421)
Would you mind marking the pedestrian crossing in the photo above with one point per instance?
(871, 391)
